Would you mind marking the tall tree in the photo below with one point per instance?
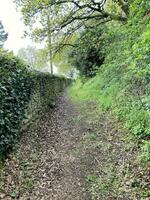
(3, 35)
(43, 34)
(71, 15)
(40, 25)
(35, 58)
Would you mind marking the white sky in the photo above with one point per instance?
(13, 24)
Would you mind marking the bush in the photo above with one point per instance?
(122, 83)
(20, 87)
(88, 56)
(15, 93)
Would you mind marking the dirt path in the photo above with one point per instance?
(45, 166)
(73, 154)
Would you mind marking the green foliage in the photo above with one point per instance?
(122, 83)
(17, 86)
(145, 156)
(3, 35)
(55, 22)
(13, 194)
(15, 92)
(88, 52)
(62, 62)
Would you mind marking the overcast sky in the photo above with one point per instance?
(11, 20)
(13, 24)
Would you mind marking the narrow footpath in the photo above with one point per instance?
(62, 156)
(45, 166)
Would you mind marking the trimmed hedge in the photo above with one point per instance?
(22, 93)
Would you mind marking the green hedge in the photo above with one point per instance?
(20, 89)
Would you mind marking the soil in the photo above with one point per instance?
(44, 167)
(62, 156)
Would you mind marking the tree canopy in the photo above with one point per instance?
(69, 16)
(57, 23)
(35, 58)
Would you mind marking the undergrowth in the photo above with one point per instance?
(122, 87)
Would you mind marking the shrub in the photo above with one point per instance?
(122, 83)
(88, 56)
(22, 92)
(15, 93)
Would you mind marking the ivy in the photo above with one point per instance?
(17, 86)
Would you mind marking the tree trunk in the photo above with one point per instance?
(50, 44)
